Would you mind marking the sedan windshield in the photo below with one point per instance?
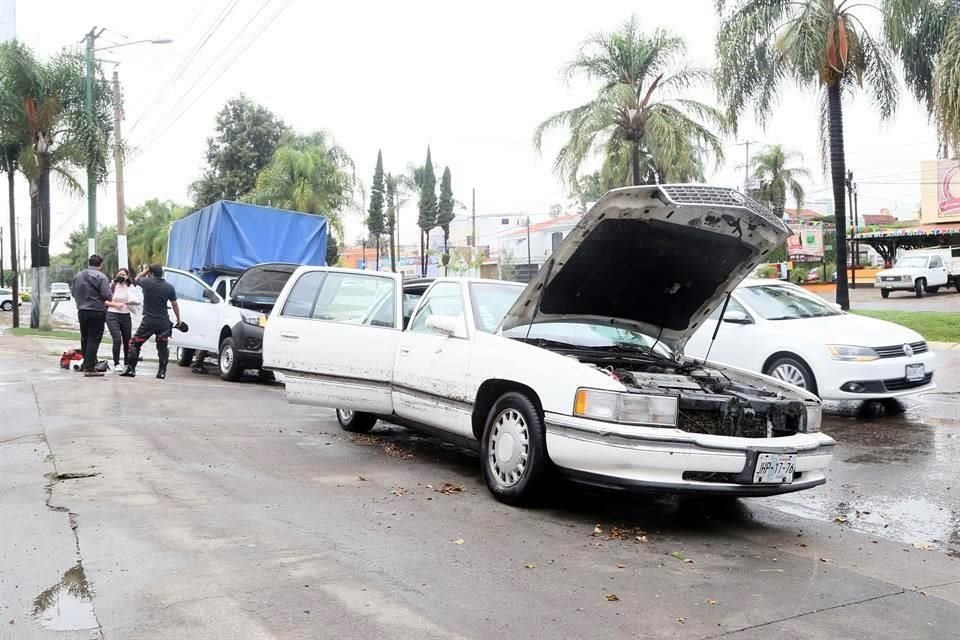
(912, 262)
(783, 303)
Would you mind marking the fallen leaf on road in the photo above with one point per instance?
(530, 565)
(824, 559)
(448, 489)
(361, 477)
(840, 519)
(681, 620)
(365, 441)
(612, 597)
(923, 546)
(395, 451)
(642, 539)
(711, 602)
(458, 541)
(597, 530)
(398, 491)
(620, 566)
(678, 555)
(688, 560)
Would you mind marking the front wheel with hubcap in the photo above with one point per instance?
(355, 421)
(7, 305)
(513, 450)
(230, 368)
(793, 371)
(918, 287)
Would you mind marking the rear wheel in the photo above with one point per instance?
(792, 370)
(7, 305)
(355, 421)
(230, 368)
(884, 293)
(918, 287)
(185, 356)
(513, 450)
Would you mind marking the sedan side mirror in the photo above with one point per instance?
(447, 325)
(736, 317)
(211, 296)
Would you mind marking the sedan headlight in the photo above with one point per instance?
(628, 408)
(256, 319)
(814, 417)
(851, 354)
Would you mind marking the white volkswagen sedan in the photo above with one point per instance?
(783, 331)
(581, 371)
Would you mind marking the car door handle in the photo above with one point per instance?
(289, 336)
(404, 351)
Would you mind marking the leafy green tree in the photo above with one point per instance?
(777, 180)
(427, 208)
(148, 229)
(247, 136)
(445, 213)
(390, 223)
(639, 115)
(925, 34)
(375, 213)
(309, 174)
(823, 44)
(588, 188)
(51, 107)
(333, 250)
(74, 259)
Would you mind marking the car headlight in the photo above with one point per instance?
(851, 354)
(814, 418)
(906, 278)
(256, 319)
(629, 408)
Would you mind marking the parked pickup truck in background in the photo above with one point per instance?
(922, 271)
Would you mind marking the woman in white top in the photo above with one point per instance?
(118, 315)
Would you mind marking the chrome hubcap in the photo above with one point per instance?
(508, 447)
(226, 359)
(790, 374)
(345, 415)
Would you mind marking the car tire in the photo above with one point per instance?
(355, 421)
(884, 293)
(228, 361)
(513, 450)
(792, 370)
(185, 356)
(918, 287)
(7, 305)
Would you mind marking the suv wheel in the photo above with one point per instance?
(918, 287)
(229, 361)
(355, 421)
(513, 450)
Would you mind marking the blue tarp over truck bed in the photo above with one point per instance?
(227, 237)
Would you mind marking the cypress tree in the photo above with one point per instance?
(427, 219)
(445, 213)
(375, 213)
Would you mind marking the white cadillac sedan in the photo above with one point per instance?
(783, 331)
(581, 372)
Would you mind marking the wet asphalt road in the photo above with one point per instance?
(217, 510)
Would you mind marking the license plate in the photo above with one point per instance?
(915, 372)
(775, 468)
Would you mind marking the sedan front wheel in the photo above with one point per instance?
(793, 371)
(513, 450)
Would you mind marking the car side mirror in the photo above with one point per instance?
(447, 325)
(737, 317)
(211, 296)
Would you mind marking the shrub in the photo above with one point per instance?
(798, 275)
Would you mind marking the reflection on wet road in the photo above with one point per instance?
(895, 474)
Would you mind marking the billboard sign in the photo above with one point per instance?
(948, 189)
(805, 241)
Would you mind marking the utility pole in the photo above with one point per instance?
(853, 234)
(849, 185)
(3, 281)
(529, 261)
(122, 258)
(91, 39)
(746, 165)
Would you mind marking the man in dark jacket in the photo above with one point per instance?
(91, 291)
(157, 292)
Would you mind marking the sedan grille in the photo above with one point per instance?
(897, 351)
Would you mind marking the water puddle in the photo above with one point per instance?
(67, 605)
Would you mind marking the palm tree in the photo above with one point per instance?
(762, 45)
(776, 179)
(311, 175)
(639, 119)
(925, 34)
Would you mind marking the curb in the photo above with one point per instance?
(945, 346)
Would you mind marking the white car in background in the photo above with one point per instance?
(579, 372)
(6, 300)
(795, 336)
(60, 291)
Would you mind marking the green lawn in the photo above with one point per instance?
(65, 335)
(935, 326)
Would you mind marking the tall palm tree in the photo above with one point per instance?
(777, 180)
(764, 44)
(639, 117)
(925, 34)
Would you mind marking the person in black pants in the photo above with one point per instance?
(157, 292)
(91, 291)
(118, 316)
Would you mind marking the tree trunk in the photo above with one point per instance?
(393, 252)
(423, 256)
(34, 254)
(376, 239)
(635, 161)
(43, 243)
(15, 288)
(838, 174)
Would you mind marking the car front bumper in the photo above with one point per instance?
(248, 344)
(876, 380)
(673, 461)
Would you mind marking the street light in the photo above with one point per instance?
(90, 40)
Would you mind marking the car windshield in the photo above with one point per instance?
(783, 303)
(912, 262)
(261, 286)
(491, 303)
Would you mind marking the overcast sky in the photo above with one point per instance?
(470, 79)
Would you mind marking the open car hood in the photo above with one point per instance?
(657, 258)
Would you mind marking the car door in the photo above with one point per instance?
(734, 343)
(200, 308)
(430, 373)
(333, 335)
(938, 272)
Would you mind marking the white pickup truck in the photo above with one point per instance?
(922, 271)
